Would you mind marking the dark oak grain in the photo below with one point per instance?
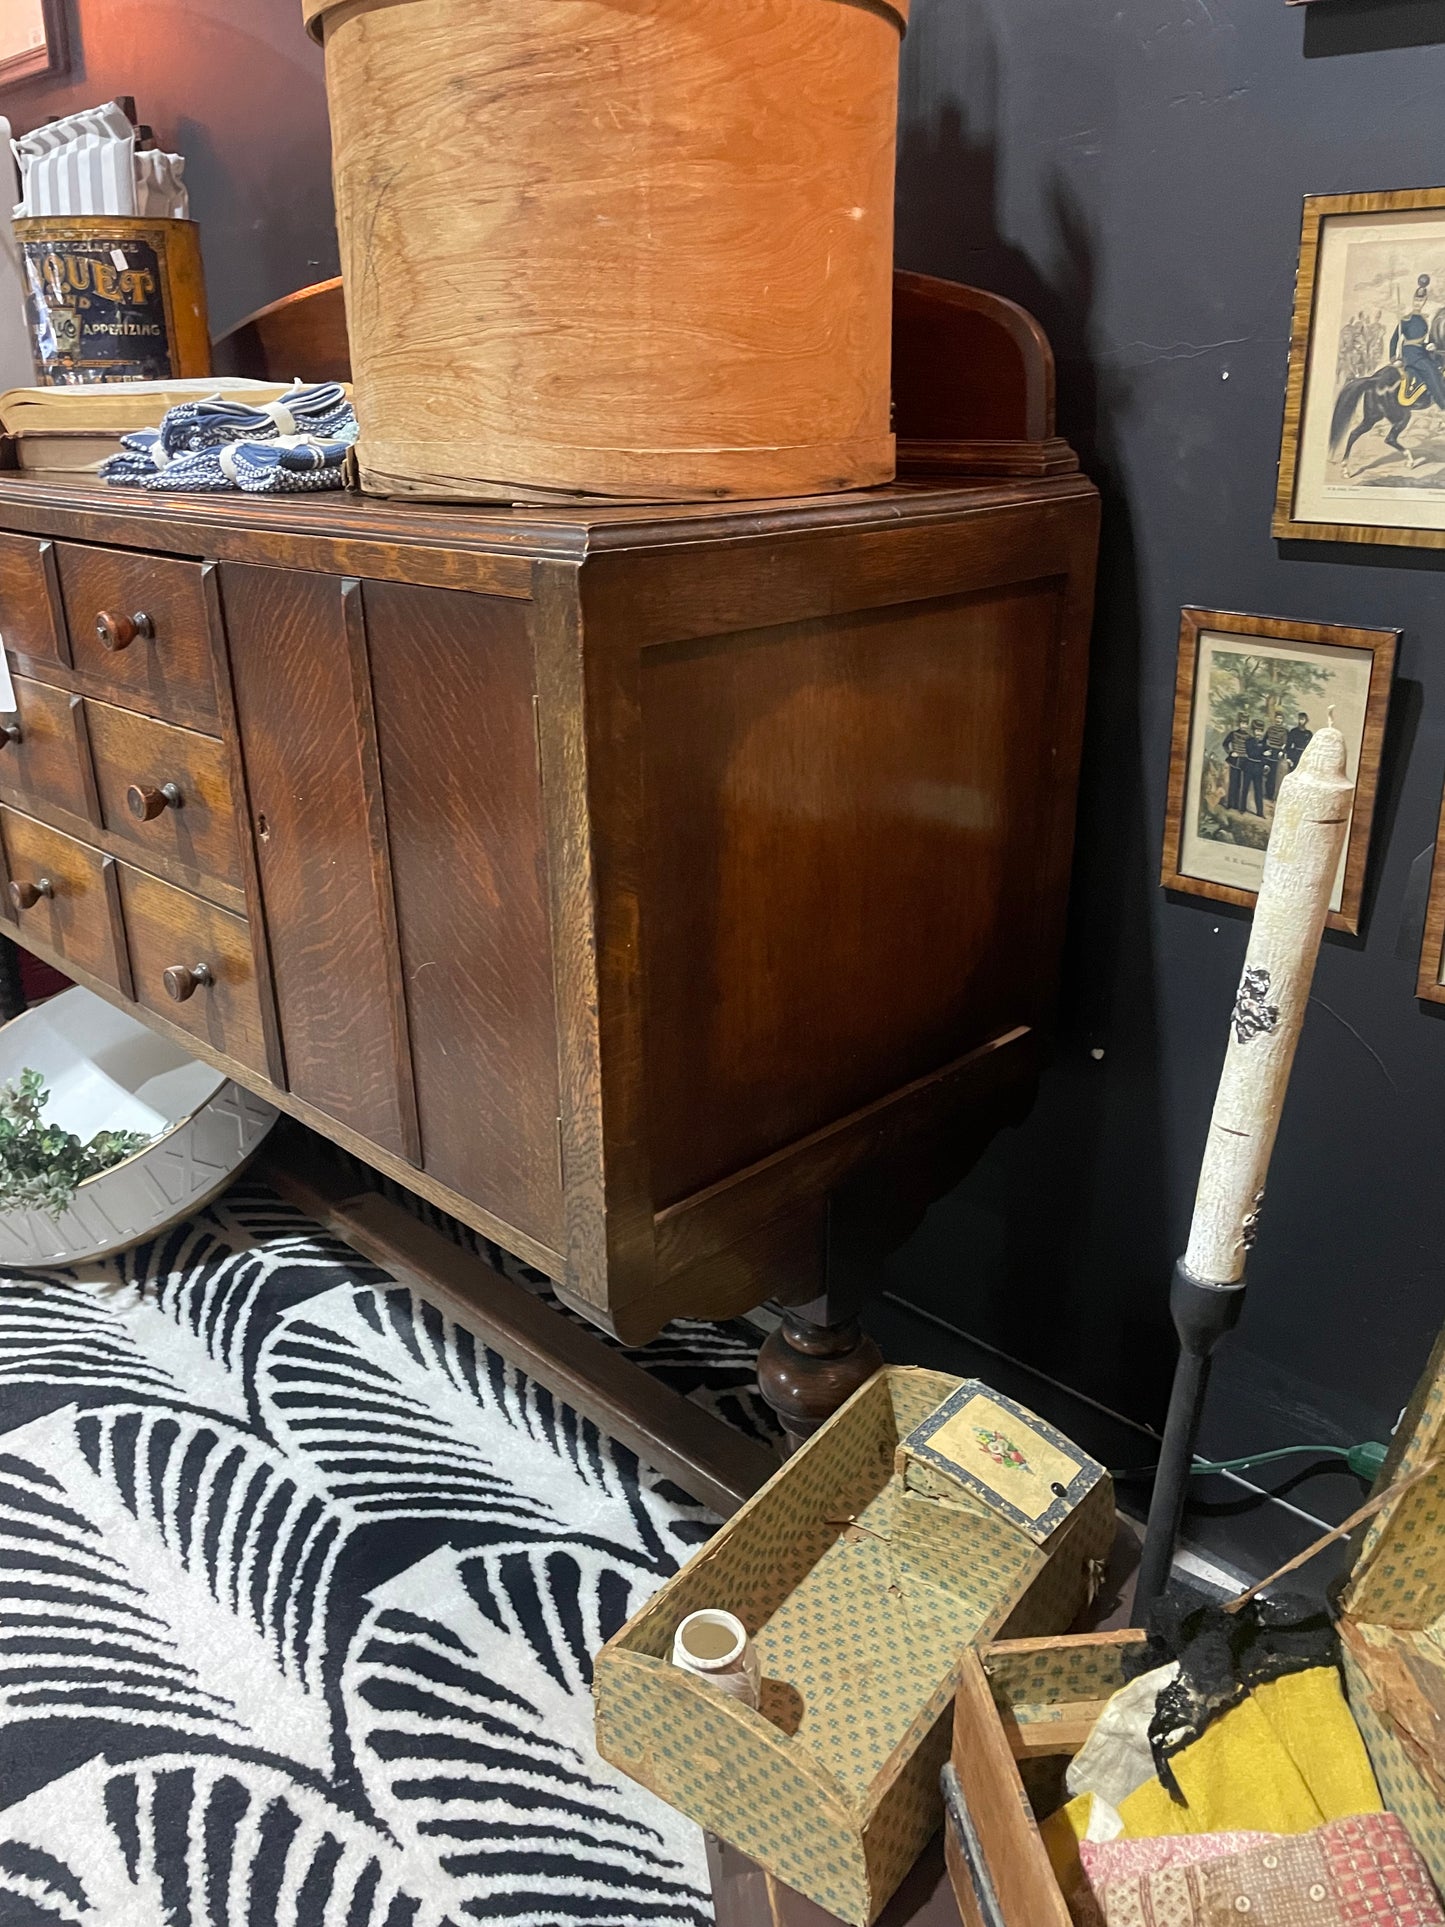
(382, 885)
(657, 877)
(304, 748)
(32, 623)
(875, 769)
(65, 890)
(167, 929)
(197, 826)
(457, 729)
(166, 673)
(42, 758)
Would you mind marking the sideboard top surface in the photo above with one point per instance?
(489, 549)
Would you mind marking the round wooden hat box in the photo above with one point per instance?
(630, 248)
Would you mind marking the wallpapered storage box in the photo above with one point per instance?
(922, 1517)
(1025, 1706)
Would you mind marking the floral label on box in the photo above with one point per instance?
(1006, 1455)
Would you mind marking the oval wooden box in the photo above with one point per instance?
(638, 250)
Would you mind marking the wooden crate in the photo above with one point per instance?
(861, 1623)
(1025, 1707)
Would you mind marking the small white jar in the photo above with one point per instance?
(715, 1646)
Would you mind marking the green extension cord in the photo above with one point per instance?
(1363, 1460)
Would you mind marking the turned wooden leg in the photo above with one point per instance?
(808, 1367)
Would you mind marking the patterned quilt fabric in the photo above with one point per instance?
(1359, 1872)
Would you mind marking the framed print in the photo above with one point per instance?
(1363, 452)
(1431, 981)
(32, 39)
(1250, 693)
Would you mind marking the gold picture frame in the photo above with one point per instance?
(1368, 264)
(1430, 983)
(32, 41)
(1282, 678)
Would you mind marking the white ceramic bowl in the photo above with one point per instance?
(107, 1072)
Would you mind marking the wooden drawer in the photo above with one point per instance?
(63, 898)
(31, 623)
(138, 625)
(192, 962)
(166, 790)
(45, 760)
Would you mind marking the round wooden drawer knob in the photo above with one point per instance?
(26, 895)
(145, 804)
(10, 733)
(119, 632)
(183, 981)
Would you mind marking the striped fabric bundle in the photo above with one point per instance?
(295, 445)
(160, 192)
(88, 163)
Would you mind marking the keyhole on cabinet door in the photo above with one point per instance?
(263, 829)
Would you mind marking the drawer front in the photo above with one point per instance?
(43, 759)
(30, 618)
(192, 963)
(138, 625)
(62, 896)
(165, 790)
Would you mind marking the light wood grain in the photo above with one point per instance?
(988, 1779)
(1383, 644)
(644, 252)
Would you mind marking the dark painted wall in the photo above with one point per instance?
(236, 86)
(1132, 171)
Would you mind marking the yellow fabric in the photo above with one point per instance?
(1286, 1760)
(1061, 1834)
(1312, 1720)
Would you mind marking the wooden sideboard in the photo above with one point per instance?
(634, 884)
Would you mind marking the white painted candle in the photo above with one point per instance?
(1311, 822)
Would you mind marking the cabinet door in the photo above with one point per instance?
(452, 675)
(303, 708)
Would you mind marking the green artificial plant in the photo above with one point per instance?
(43, 1165)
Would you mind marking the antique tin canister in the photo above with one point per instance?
(112, 298)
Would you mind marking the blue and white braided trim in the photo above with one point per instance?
(293, 445)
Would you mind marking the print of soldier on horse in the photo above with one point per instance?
(1412, 380)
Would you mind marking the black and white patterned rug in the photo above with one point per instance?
(298, 1592)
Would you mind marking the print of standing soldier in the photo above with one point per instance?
(1298, 740)
(1254, 767)
(1276, 748)
(1234, 745)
